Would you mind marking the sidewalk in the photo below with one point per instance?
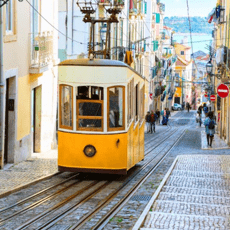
(217, 142)
(194, 194)
(39, 166)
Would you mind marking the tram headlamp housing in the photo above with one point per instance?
(89, 150)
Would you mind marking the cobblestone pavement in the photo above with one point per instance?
(190, 143)
(195, 196)
(38, 166)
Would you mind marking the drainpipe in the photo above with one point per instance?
(1, 93)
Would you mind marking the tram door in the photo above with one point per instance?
(36, 117)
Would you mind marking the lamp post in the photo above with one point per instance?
(103, 32)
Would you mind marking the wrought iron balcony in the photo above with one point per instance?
(41, 52)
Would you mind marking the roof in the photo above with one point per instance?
(94, 62)
(97, 62)
(181, 62)
(186, 47)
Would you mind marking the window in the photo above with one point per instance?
(66, 107)
(116, 108)
(89, 108)
(9, 17)
(130, 102)
(10, 22)
(136, 102)
(142, 102)
(182, 52)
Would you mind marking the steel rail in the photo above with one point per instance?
(39, 202)
(37, 194)
(100, 225)
(60, 204)
(104, 202)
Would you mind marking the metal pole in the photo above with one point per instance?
(1, 93)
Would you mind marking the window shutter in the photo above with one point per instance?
(145, 7)
(157, 18)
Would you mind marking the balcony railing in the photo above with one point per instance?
(41, 51)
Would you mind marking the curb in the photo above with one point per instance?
(156, 194)
(28, 184)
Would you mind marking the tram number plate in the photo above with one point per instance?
(11, 105)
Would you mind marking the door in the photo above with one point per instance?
(36, 111)
(6, 123)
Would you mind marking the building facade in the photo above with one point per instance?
(29, 76)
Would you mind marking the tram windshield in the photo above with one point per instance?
(89, 108)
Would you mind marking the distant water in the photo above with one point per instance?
(200, 41)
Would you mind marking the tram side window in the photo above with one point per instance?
(142, 103)
(90, 108)
(66, 107)
(136, 102)
(116, 102)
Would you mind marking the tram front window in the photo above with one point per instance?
(90, 108)
(116, 108)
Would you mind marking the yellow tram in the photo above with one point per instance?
(101, 116)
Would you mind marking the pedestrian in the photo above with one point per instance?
(198, 118)
(164, 119)
(167, 114)
(158, 113)
(210, 128)
(152, 121)
(200, 109)
(205, 109)
(188, 106)
(148, 120)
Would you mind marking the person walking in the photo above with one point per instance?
(158, 113)
(200, 109)
(167, 114)
(188, 106)
(198, 117)
(164, 119)
(148, 120)
(210, 128)
(205, 109)
(152, 122)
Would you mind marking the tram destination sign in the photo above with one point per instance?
(222, 90)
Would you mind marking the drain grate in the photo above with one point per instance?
(141, 198)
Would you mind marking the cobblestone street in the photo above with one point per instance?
(193, 195)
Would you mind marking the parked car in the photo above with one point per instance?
(176, 107)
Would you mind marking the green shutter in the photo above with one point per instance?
(157, 18)
(145, 7)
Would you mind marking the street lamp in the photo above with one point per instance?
(103, 32)
(209, 67)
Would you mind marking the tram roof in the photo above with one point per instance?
(96, 62)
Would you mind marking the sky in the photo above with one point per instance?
(196, 7)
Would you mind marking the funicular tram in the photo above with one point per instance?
(101, 116)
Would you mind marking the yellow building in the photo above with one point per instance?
(183, 71)
(220, 42)
(29, 78)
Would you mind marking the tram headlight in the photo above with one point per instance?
(89, 150)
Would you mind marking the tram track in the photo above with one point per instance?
(72, 207)
(105, 201)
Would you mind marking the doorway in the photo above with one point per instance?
(36, 118)
(10, 116)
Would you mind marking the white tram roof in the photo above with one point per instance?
(97, 62)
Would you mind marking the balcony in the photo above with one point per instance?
(41, 52)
